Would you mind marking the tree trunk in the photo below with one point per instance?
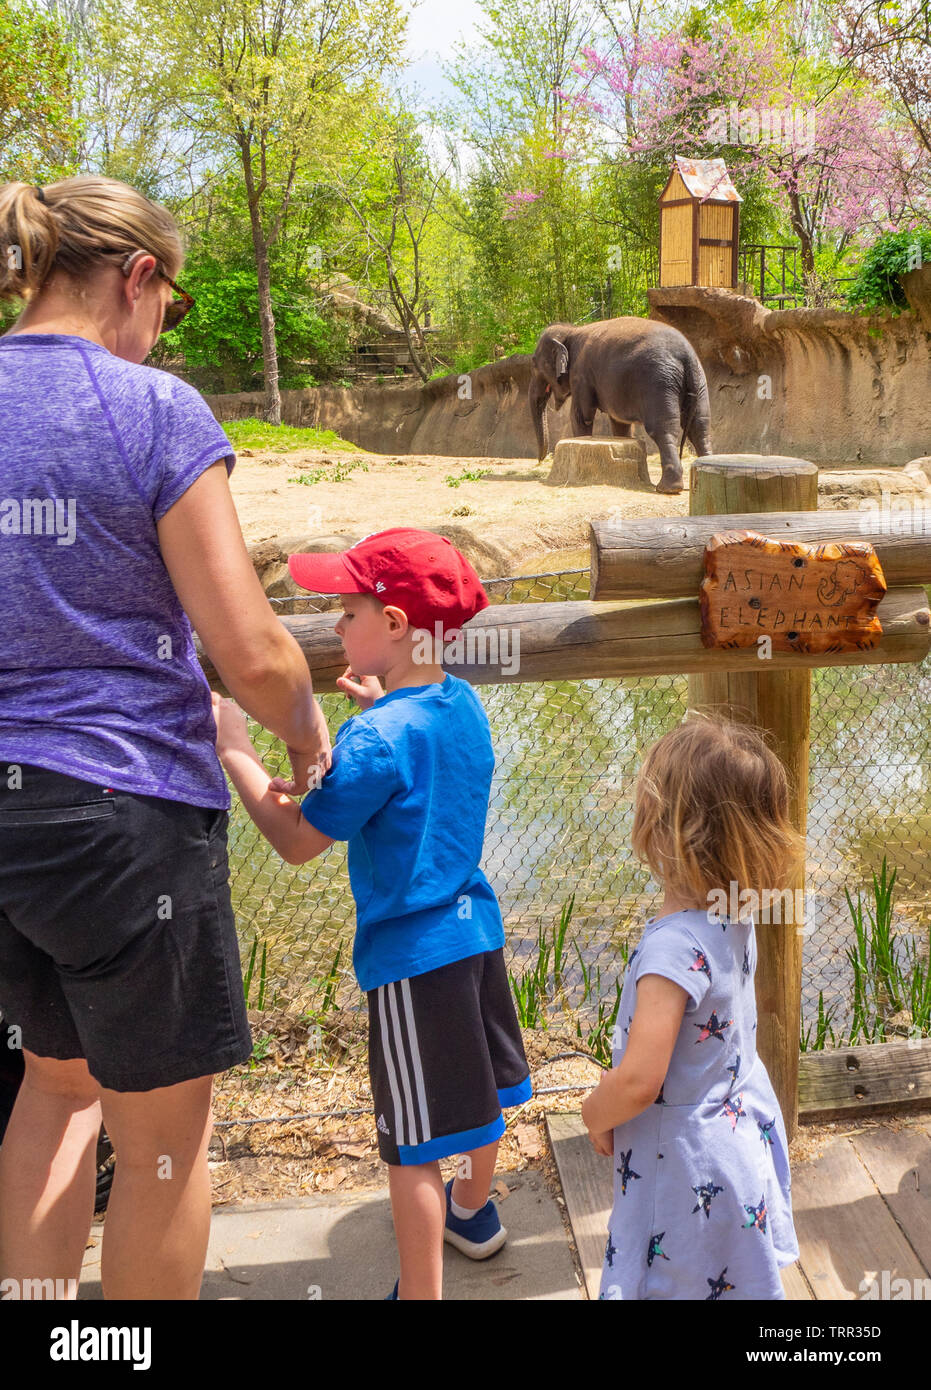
(266, 319)
(801, 231)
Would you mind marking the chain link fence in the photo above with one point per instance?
(559, 828)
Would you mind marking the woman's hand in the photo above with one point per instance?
(365, 690)
(309, 766)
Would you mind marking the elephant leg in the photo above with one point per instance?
(622, 429)
(583, 413)
(666, 437)
(699, 436)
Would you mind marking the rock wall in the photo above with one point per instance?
(818, 383)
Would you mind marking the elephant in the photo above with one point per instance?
(634, 370)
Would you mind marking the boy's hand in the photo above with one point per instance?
(232, 731)
(365, 690)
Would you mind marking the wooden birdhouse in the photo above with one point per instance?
(699, 221)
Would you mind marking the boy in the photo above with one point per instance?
(408, 788)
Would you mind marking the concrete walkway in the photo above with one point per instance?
(342, 1247)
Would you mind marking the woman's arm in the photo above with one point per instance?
(258, 660)
(635, 1082)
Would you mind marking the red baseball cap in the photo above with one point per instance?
(418, 571)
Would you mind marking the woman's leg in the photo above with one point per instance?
(158, 1216)
(48, 1171)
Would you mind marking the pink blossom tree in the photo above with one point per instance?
(833, 155)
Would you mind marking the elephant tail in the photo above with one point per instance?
(694, 388)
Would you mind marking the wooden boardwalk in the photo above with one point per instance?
(861, 1207)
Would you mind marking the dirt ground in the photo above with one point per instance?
(512, 512)
(267, 1162)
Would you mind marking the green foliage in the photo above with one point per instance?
(223, 332)
(282, 439)
(891, 983)
(39, 133)
(823, 1029)
(876, 284)
(339, 473)
(250, 972)
(466, 476)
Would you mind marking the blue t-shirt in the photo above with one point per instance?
(409, 789)
(99, 677)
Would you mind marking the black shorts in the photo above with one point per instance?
(117, 936)
(445, 1057)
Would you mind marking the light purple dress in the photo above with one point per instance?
(702, 1204)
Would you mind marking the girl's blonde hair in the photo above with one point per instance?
(712, 810)
(83, 222)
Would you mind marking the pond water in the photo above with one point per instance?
(560, 816)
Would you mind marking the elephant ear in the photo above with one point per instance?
(560, 359)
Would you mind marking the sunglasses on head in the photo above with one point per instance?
(178, 309)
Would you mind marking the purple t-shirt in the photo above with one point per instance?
(98, 673)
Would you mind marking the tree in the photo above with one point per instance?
(831, 154)
(38, 134)
(276, 84)
(890, 44)
(391, 192)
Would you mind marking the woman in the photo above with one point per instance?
(118, 953)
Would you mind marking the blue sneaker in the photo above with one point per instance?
(393, 1293)
(479, 1237)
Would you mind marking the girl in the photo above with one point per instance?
(701, 1185)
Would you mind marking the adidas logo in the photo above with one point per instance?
(379, 587)
(382, 1126)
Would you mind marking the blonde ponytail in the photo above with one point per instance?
(76, 225)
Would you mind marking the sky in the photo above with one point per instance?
(434, 28)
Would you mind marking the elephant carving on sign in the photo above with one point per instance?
(635, 371)
(842, 582)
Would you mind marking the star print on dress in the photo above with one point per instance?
(714, 1028)
(655, 1248)
(705, 1193)
(701, 963)
(757, 1216)
(733, 1109)
(766, 1130)
(719, 1285)
(626, 1028)
(610, 1252)
(734, 1068)
(626, 1171)
(746, 964)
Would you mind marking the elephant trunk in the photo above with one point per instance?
(539, 395)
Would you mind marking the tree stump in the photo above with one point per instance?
(593, 462)
(778, 702)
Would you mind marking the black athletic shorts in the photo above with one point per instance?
(117, 937)
(445, 1057)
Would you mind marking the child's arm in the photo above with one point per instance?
(635, 1082)
(278, 817)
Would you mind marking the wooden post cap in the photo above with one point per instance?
(762, 464)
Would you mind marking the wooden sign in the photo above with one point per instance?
(804, 598)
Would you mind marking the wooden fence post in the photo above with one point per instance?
(780, 703)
